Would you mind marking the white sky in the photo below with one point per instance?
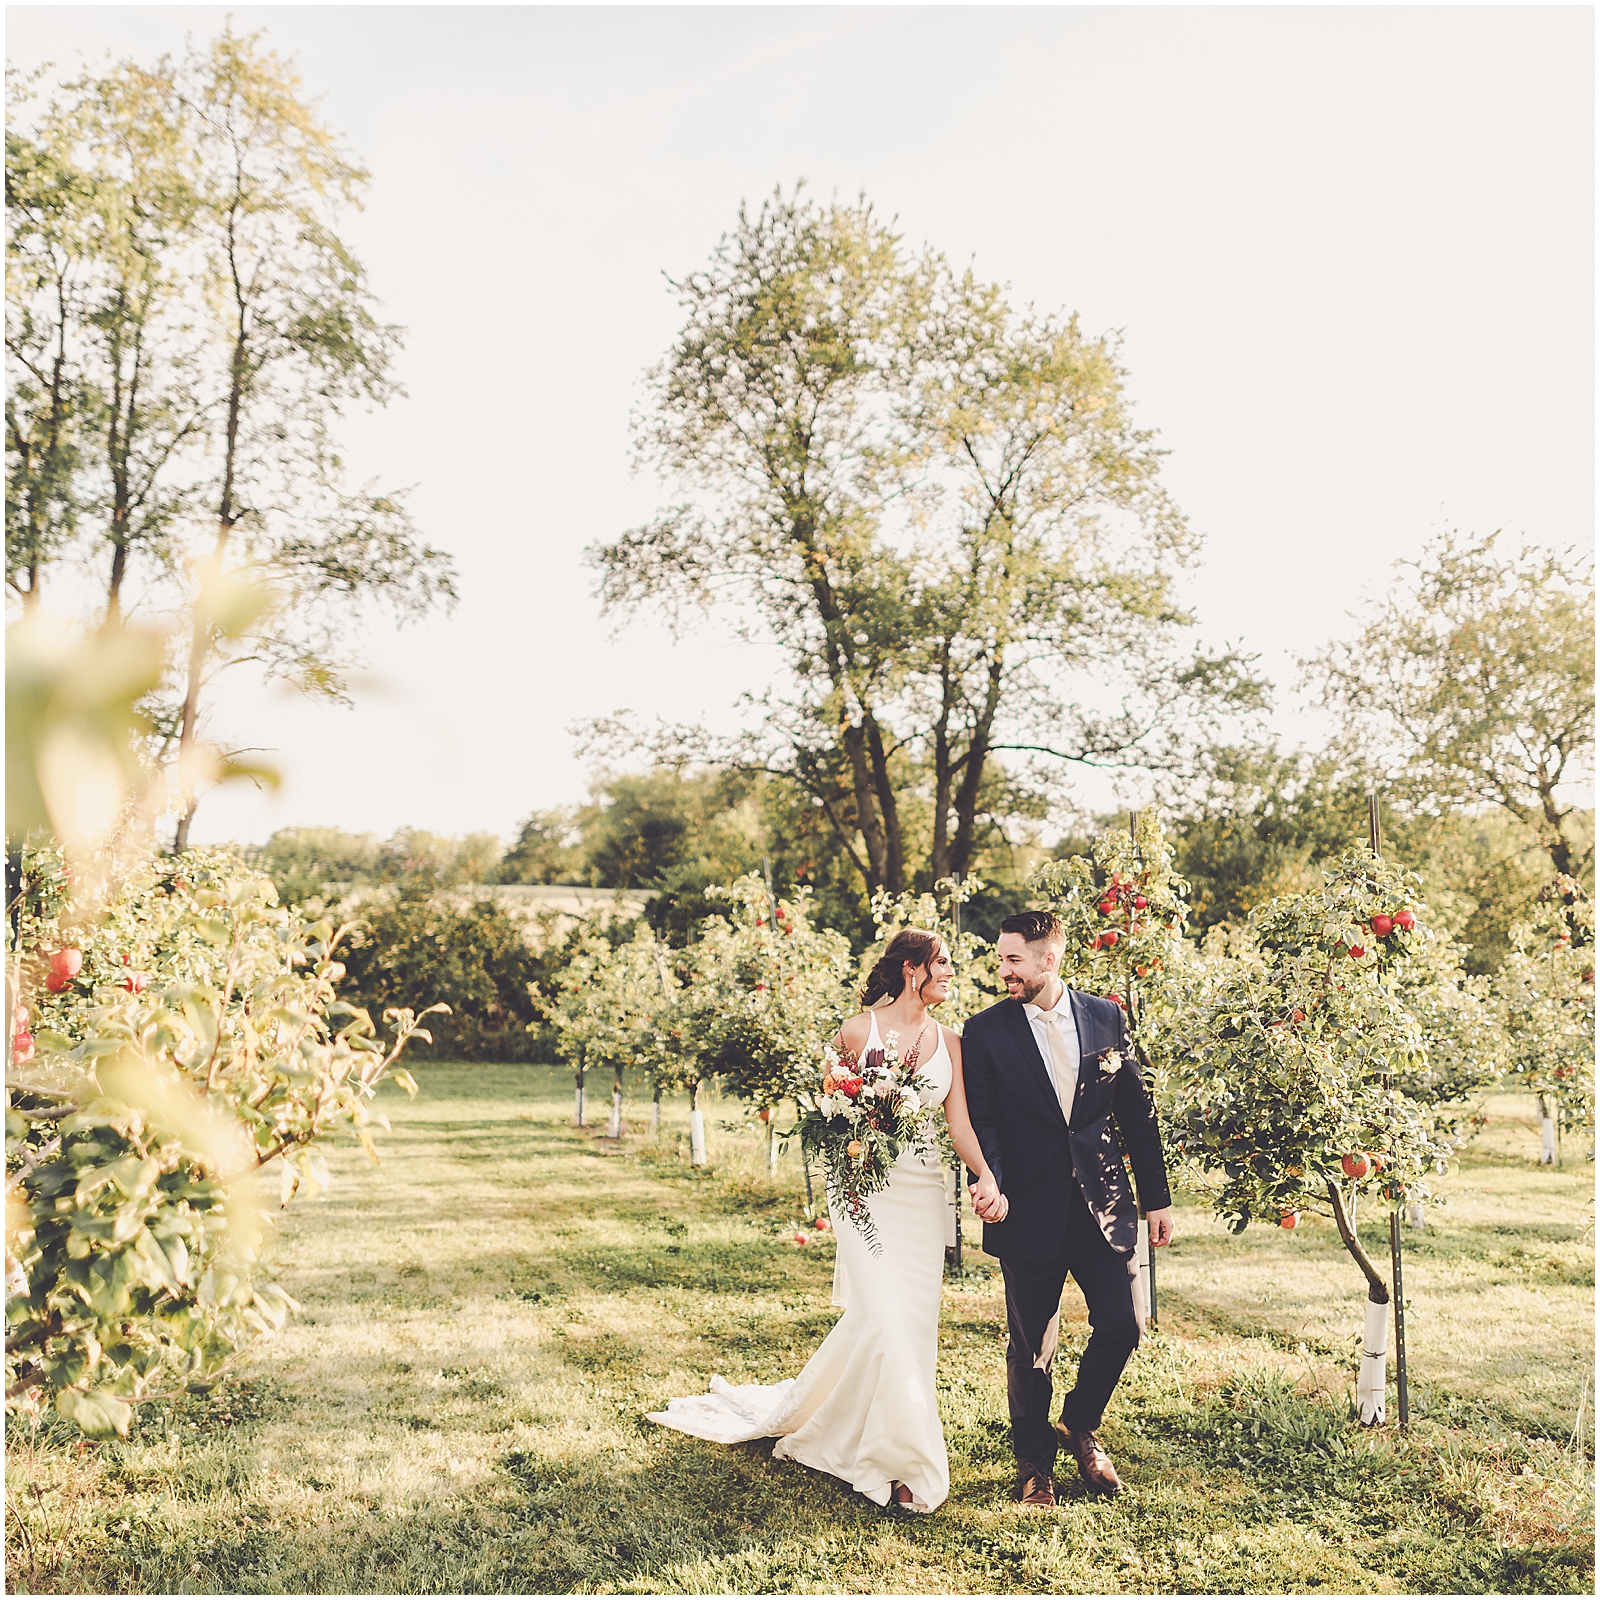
(1351, 251)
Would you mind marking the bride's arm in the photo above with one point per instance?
(987, 1200)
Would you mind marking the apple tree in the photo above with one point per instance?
(1292, 1099)
(1543, 1000)
(171, 1039)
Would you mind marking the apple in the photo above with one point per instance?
(1382, 926)
(55, 982)
(765, 1113)
(1290, 1219)
(67, 962)
(1110, 937)
(1377, 1161)
(800, 1238)
(1356, 1164)
(1357, 951)
(1139, 902)
(22, 1047)
(1106, 908)
(1406, 919)
(1117, 1000)
(822, 1224)
(135, 981)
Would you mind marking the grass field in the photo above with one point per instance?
(490, 1312)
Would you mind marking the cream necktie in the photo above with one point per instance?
(1066, 1070)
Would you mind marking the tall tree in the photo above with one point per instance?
(940, 509)
(49, 262)
(1056, 572)
(772, 403)
(298, 340)
(1475, 677)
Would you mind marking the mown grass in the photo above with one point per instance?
(489, 1314)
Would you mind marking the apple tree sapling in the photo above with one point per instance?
(1291, 1103)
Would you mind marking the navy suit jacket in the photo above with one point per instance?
(1038, 1157)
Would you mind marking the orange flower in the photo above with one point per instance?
(853, 1149)
(829, 1083)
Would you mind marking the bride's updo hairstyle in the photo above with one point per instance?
(915, 945)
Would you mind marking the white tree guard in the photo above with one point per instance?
(577, 1108)
(615, 1130)
(1373, 1379)
(772, 1148)
(1416, 1213)
(1141, 1276)
(1547, 1126)
(697, 1137)
(655, 1119)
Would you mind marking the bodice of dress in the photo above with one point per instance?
(936, 1069)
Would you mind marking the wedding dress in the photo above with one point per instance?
(865, 1407)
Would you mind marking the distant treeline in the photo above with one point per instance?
(1259, 825)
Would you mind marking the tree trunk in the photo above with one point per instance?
(697, 1129)
(655, 1114)
(578, 1108)
(227, 516)
(1373, 1375)
(1547, 1127)
(894, 858)
(972, 777)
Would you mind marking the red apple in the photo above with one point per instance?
(67, 962)
(1357, 951)
(1139, 902)
(1406, 919)
(135, 981)
(1110, 936)
(22, 1048)
(1376, 1160)
(1356, 1164)
(55, 983)
(1382, 926)
(1106, 908)
(765, 1113)
(800, 1238)
(822, 1224)
(1290, 1219)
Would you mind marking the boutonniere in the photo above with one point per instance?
(1110, 1062)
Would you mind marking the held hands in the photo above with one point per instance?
(987, 1200)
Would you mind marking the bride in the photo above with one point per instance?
(865, 1407)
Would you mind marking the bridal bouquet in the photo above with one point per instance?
(870, 1110)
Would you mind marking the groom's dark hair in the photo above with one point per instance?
(1036, 925)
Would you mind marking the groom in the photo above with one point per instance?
(1055, 1098)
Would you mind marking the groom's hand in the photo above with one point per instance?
(987, 1201)
(1160, 1225)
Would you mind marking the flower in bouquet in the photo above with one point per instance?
(869, 1111)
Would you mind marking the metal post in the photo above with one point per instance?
(1402, 1392)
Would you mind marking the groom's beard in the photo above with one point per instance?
(1028, 989)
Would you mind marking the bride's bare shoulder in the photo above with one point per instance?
(856, 1031)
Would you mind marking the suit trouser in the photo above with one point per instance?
(1033, 1311)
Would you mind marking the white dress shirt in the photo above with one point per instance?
(1061, 1062)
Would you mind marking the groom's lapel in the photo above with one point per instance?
(1088, 1029)
(1028, 1049)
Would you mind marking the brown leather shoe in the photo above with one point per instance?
(1035, 1488)
(1093, 1462)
